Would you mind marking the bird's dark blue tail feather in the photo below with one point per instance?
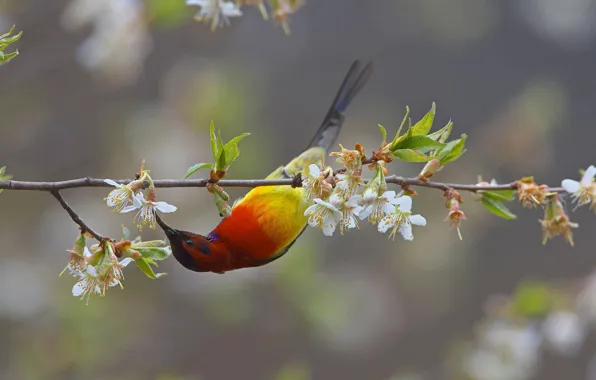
(350, 87)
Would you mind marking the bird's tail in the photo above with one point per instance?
(325, 137)
(333, 121)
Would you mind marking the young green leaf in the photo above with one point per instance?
(452, 150)
(411, 155)
(398, 140)
(403, 122)
(155, 253)
(383, 132)
(442, 134)
(498, 208)
(144, 266)
(500, 195)
(193, 169)
(421, 143)
(220, 162)
(5, 40)
(213, 139)
(426, 123)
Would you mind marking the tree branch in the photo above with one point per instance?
(173, 183)
(75, 217)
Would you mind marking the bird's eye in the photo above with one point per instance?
(189, 242)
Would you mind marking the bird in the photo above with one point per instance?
(267, 221)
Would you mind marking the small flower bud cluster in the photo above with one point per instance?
(100, 266)
(531, 194)
(456, 215)
(556, 222)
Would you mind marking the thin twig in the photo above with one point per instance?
(75, 217)
(173, 183)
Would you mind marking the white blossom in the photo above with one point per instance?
(146, 214)
(323, 215)
(350, 210)
(378, 205)
(216, 11)
(314, 184)
(401, 219)
(582, 192)
(120, 197)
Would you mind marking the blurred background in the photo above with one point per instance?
(100, 85)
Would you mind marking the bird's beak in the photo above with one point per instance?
(170, 232)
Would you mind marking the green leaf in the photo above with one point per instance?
(500, 195)
(426, 123)
(422, 143)
(442, 134)
(213, 140)
(383, 132)
(231, 149)
(149, 243)
(146, 268)
(399, 139)
(193, 169)
(155, 253)
(411, 155)
(452, 150)
(498, 208)
(220, 162)
(220, 145)
(5, 40)
(403, 122)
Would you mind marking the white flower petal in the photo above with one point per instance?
(404, 203)
(405, 229)
(165, 207)
(365, 213)
(588, 177)
(329, 225)
(111, 182)
(128, 209)
(328, 230)
(313, 222)
(570, 185)
(79, 288)
(369, 196)
(388, 195)
(314, 170)
(357, 210)
(138, 200)
(418, 220)
(91, 271)
(335, 201)
(310, 209)
(353, 201)
(86, 252)
(386, 223)
(388, 208)
(351, 222)
(125, 262)
(200, 3)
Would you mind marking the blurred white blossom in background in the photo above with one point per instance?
(120, 40)
(569, 23)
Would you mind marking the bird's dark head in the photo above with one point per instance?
(190, 249)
